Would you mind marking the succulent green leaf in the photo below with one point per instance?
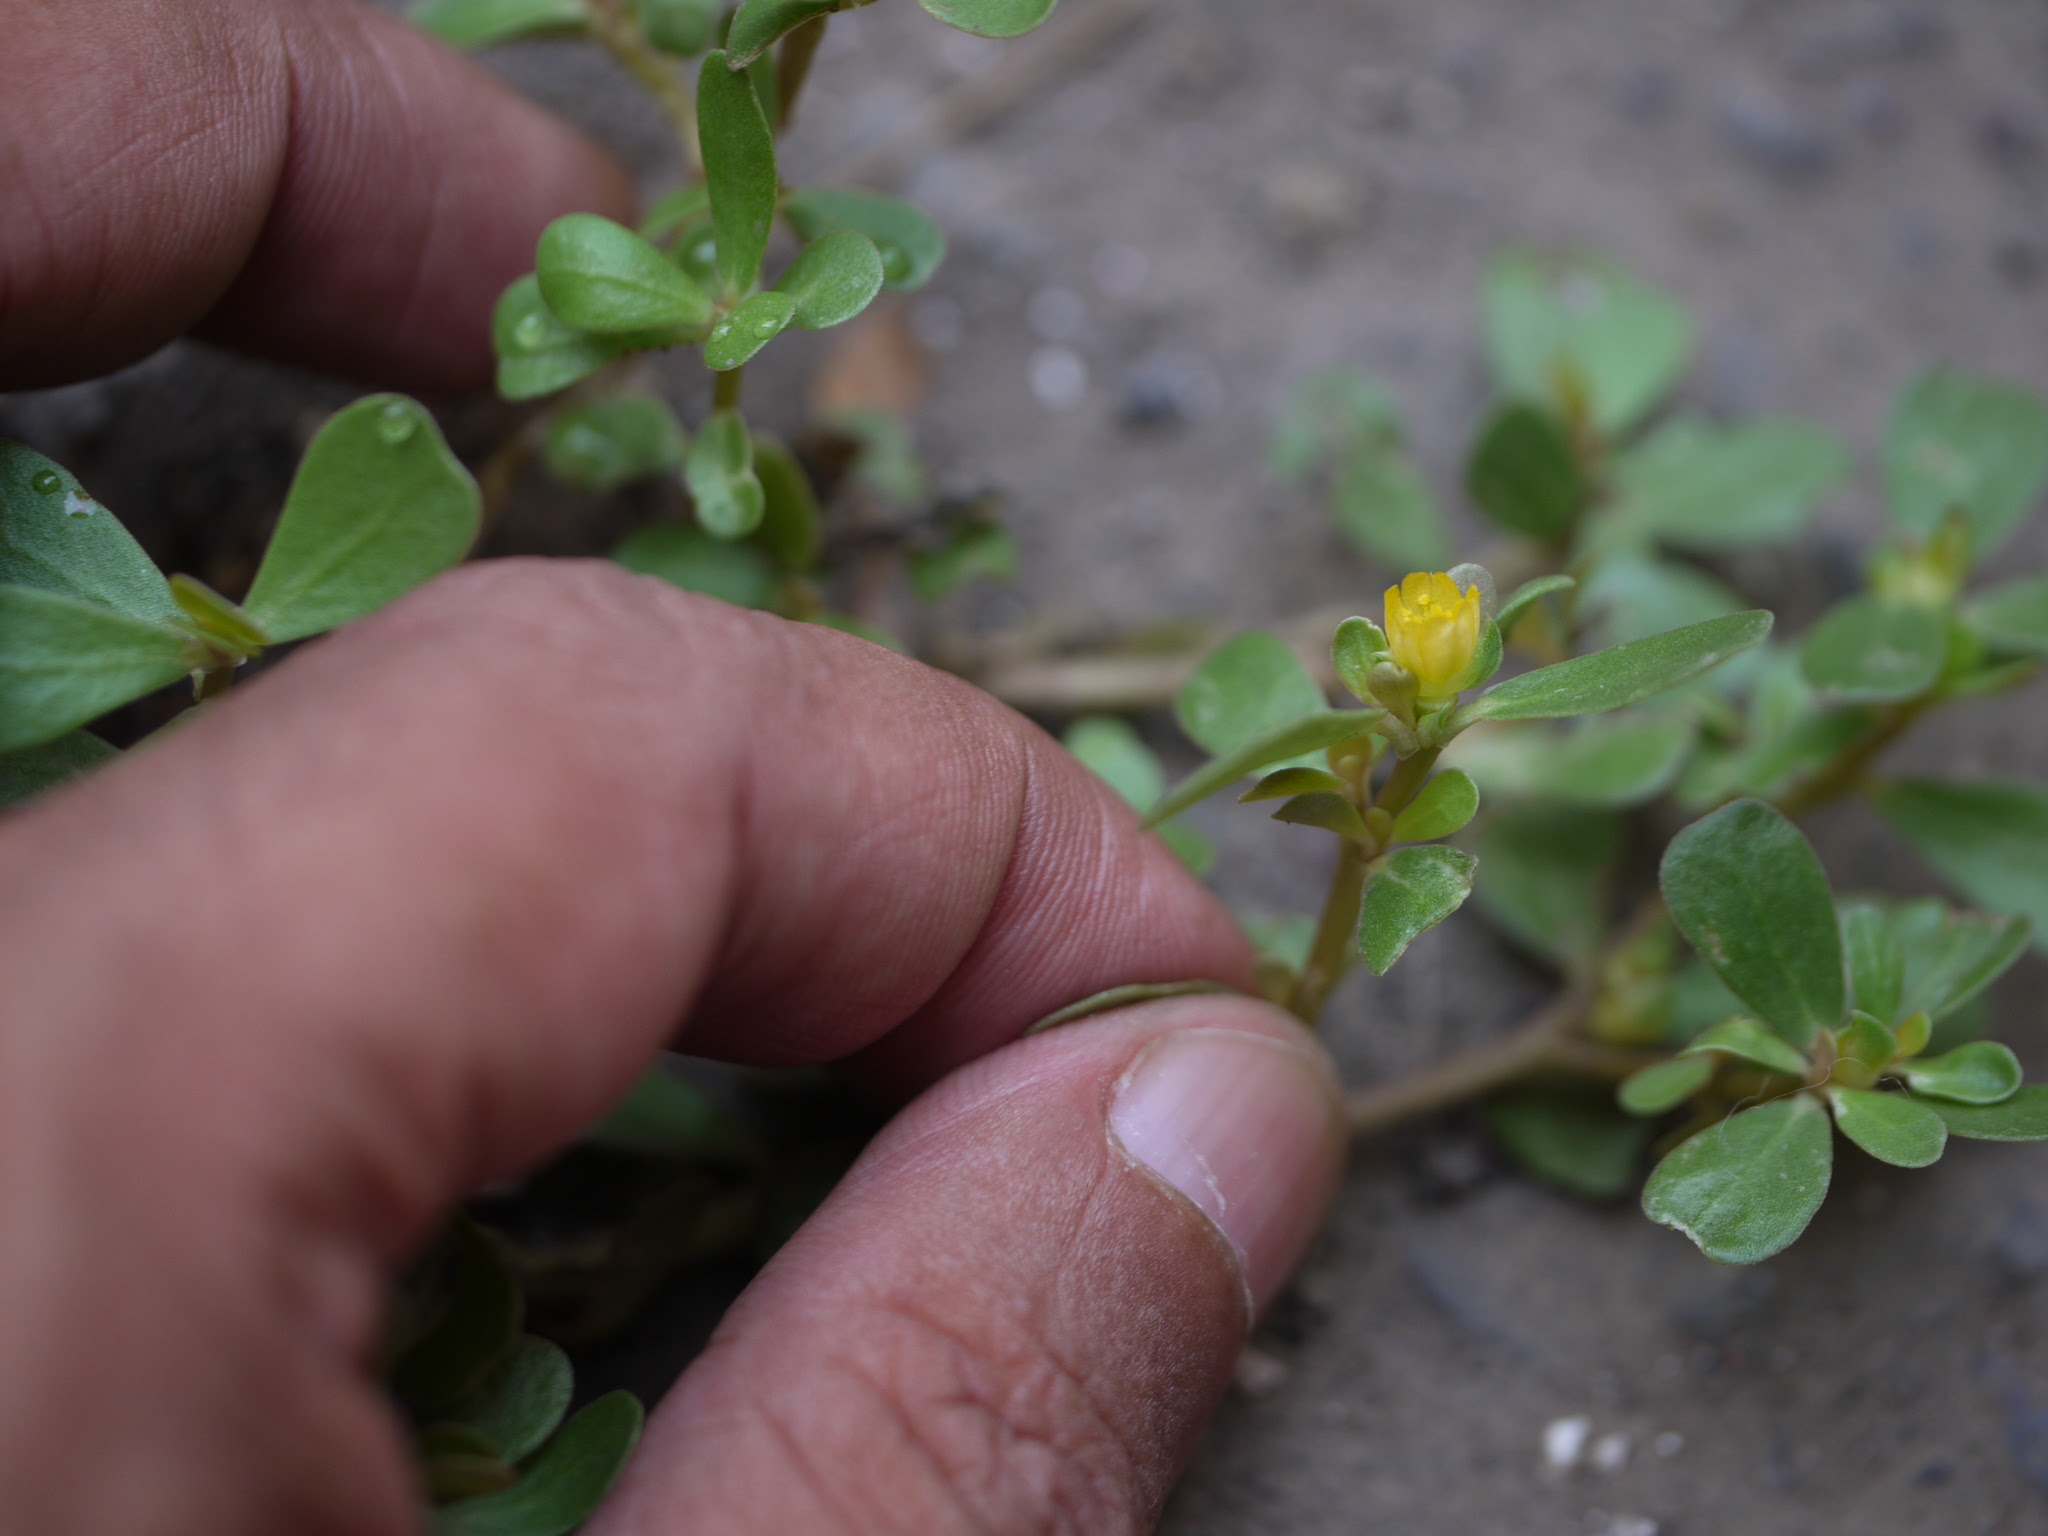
(1982, 1072)
(760, 24)
(1621, 675)
(1357, 642)
(520, 1400)
(1443, 806)
(1526, 595)
(1666, 1085)
(991, 18)
(478, 23)
(1111, 749)
(27, 771)
(1877, 961)
(378, 506)
(720, 475)
(1872, 650)
(1250, 685)
(1746, 1188)
(833, 278)
(609, 443)
(1564, 330)
(1894, 1128)
(697, 561)
(1413, 890)
(1989, 837)
(1544, 878)
(2012, 617)
(1524, 474)
(1311, 733)
(684, 28)
(792, 528)
(1745, 888)
(1572, 1138)
(600, 277)
(753, 323)
(564, 1484)
(739, 168)
(1602, 763)
(1702, 487)
(1951, 957)
(1747, 1040)
(66, 661)
(478, 1321)
(56, 538)
(538, 354)
(1913, 1034)
(910, 244)
(2023, 1117)
(1969, 443)
(1320, 808)
(1285, 783)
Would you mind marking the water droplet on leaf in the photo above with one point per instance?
(531, 331)
(47, 482)
(395, 423)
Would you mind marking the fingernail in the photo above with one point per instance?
(1248, 1128)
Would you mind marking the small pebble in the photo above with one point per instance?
(1610, 1453)
(1059, 377)
(1259, 1374)
(1564, 1442)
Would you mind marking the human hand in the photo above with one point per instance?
(417, 906)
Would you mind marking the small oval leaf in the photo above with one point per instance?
(600, 277)
(1311, 733)
(564, 1484)
(67, 661)
(1873, 650)
(739, 169)
(833, 279)
(1746, 1188)
(1664, 1086)
(910, 244)
(1444, 805)
(1413, 890)
(2023, 1117)
(991, 18)
(1747, 1040)
(752, 324)
(1982, 1072)
(1892, 1127)
(1320, 808)
(1250, 685)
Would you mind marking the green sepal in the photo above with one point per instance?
(910, 244)
(1894, 1128)
(1311, 733)
(1981, 1072)
(1284, 783)
(739, 168)
(991, 18)
(1874, 650)
(1525, 596)
(1412, 891)
(1443, 806)
(1745, 1188)
(720, 474)
(1320, 808)
(1666, 1085)
(1747, 1040)
(564, 1484)
(753, 323)
(2023, 1117)
(601, 278)
(1621, 675)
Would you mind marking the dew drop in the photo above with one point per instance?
(47, 482)
(395, 423)
(78, 506)
(531, 331)
(767, 327)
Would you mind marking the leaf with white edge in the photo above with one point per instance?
(377, 507)
(1873, 650)
(1571, 1137)
(1666, 1085)
(759, 24)
(1524, 474)
(1982, 1072)
(1894, 1128)
(2013, 617)
(1576, 331)
(991, 18)
(1251, 684)
(600, 277)
(1989, 837)
(28, 771)
(910, 244)
(1413, 890)
(1703, 487)
(696, 561)
(605, 444)
(1309, 734)
(753, 323)
(1957, 441)
(1284, 783)
(1951, 957)
(1526, 595)
(739, 168)
(1746, 1188)
(1747, 1040)
(1320, 808)
(66, 661)
(521, 1399)
(1621, 675)
(479, 23)
(538, 354)
(1745, 888)
(55, 537)
(1877, 960)
(564, 1484)
(1442, 807)
(2023, 1117)
(1110, 749)
(792, 527)
(1544, 878)
(1601, 763)
(720, 474)
(833, 279)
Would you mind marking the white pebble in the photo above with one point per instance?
(1059, 377)
(1564, 1442)
(1610, 1452)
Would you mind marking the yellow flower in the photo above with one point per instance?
(1432, 631)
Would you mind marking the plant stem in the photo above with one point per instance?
(1842, 775)
(618, 29)
(725, 389)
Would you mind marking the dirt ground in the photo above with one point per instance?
(1206, 203)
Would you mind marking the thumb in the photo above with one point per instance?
(1019, 1307)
